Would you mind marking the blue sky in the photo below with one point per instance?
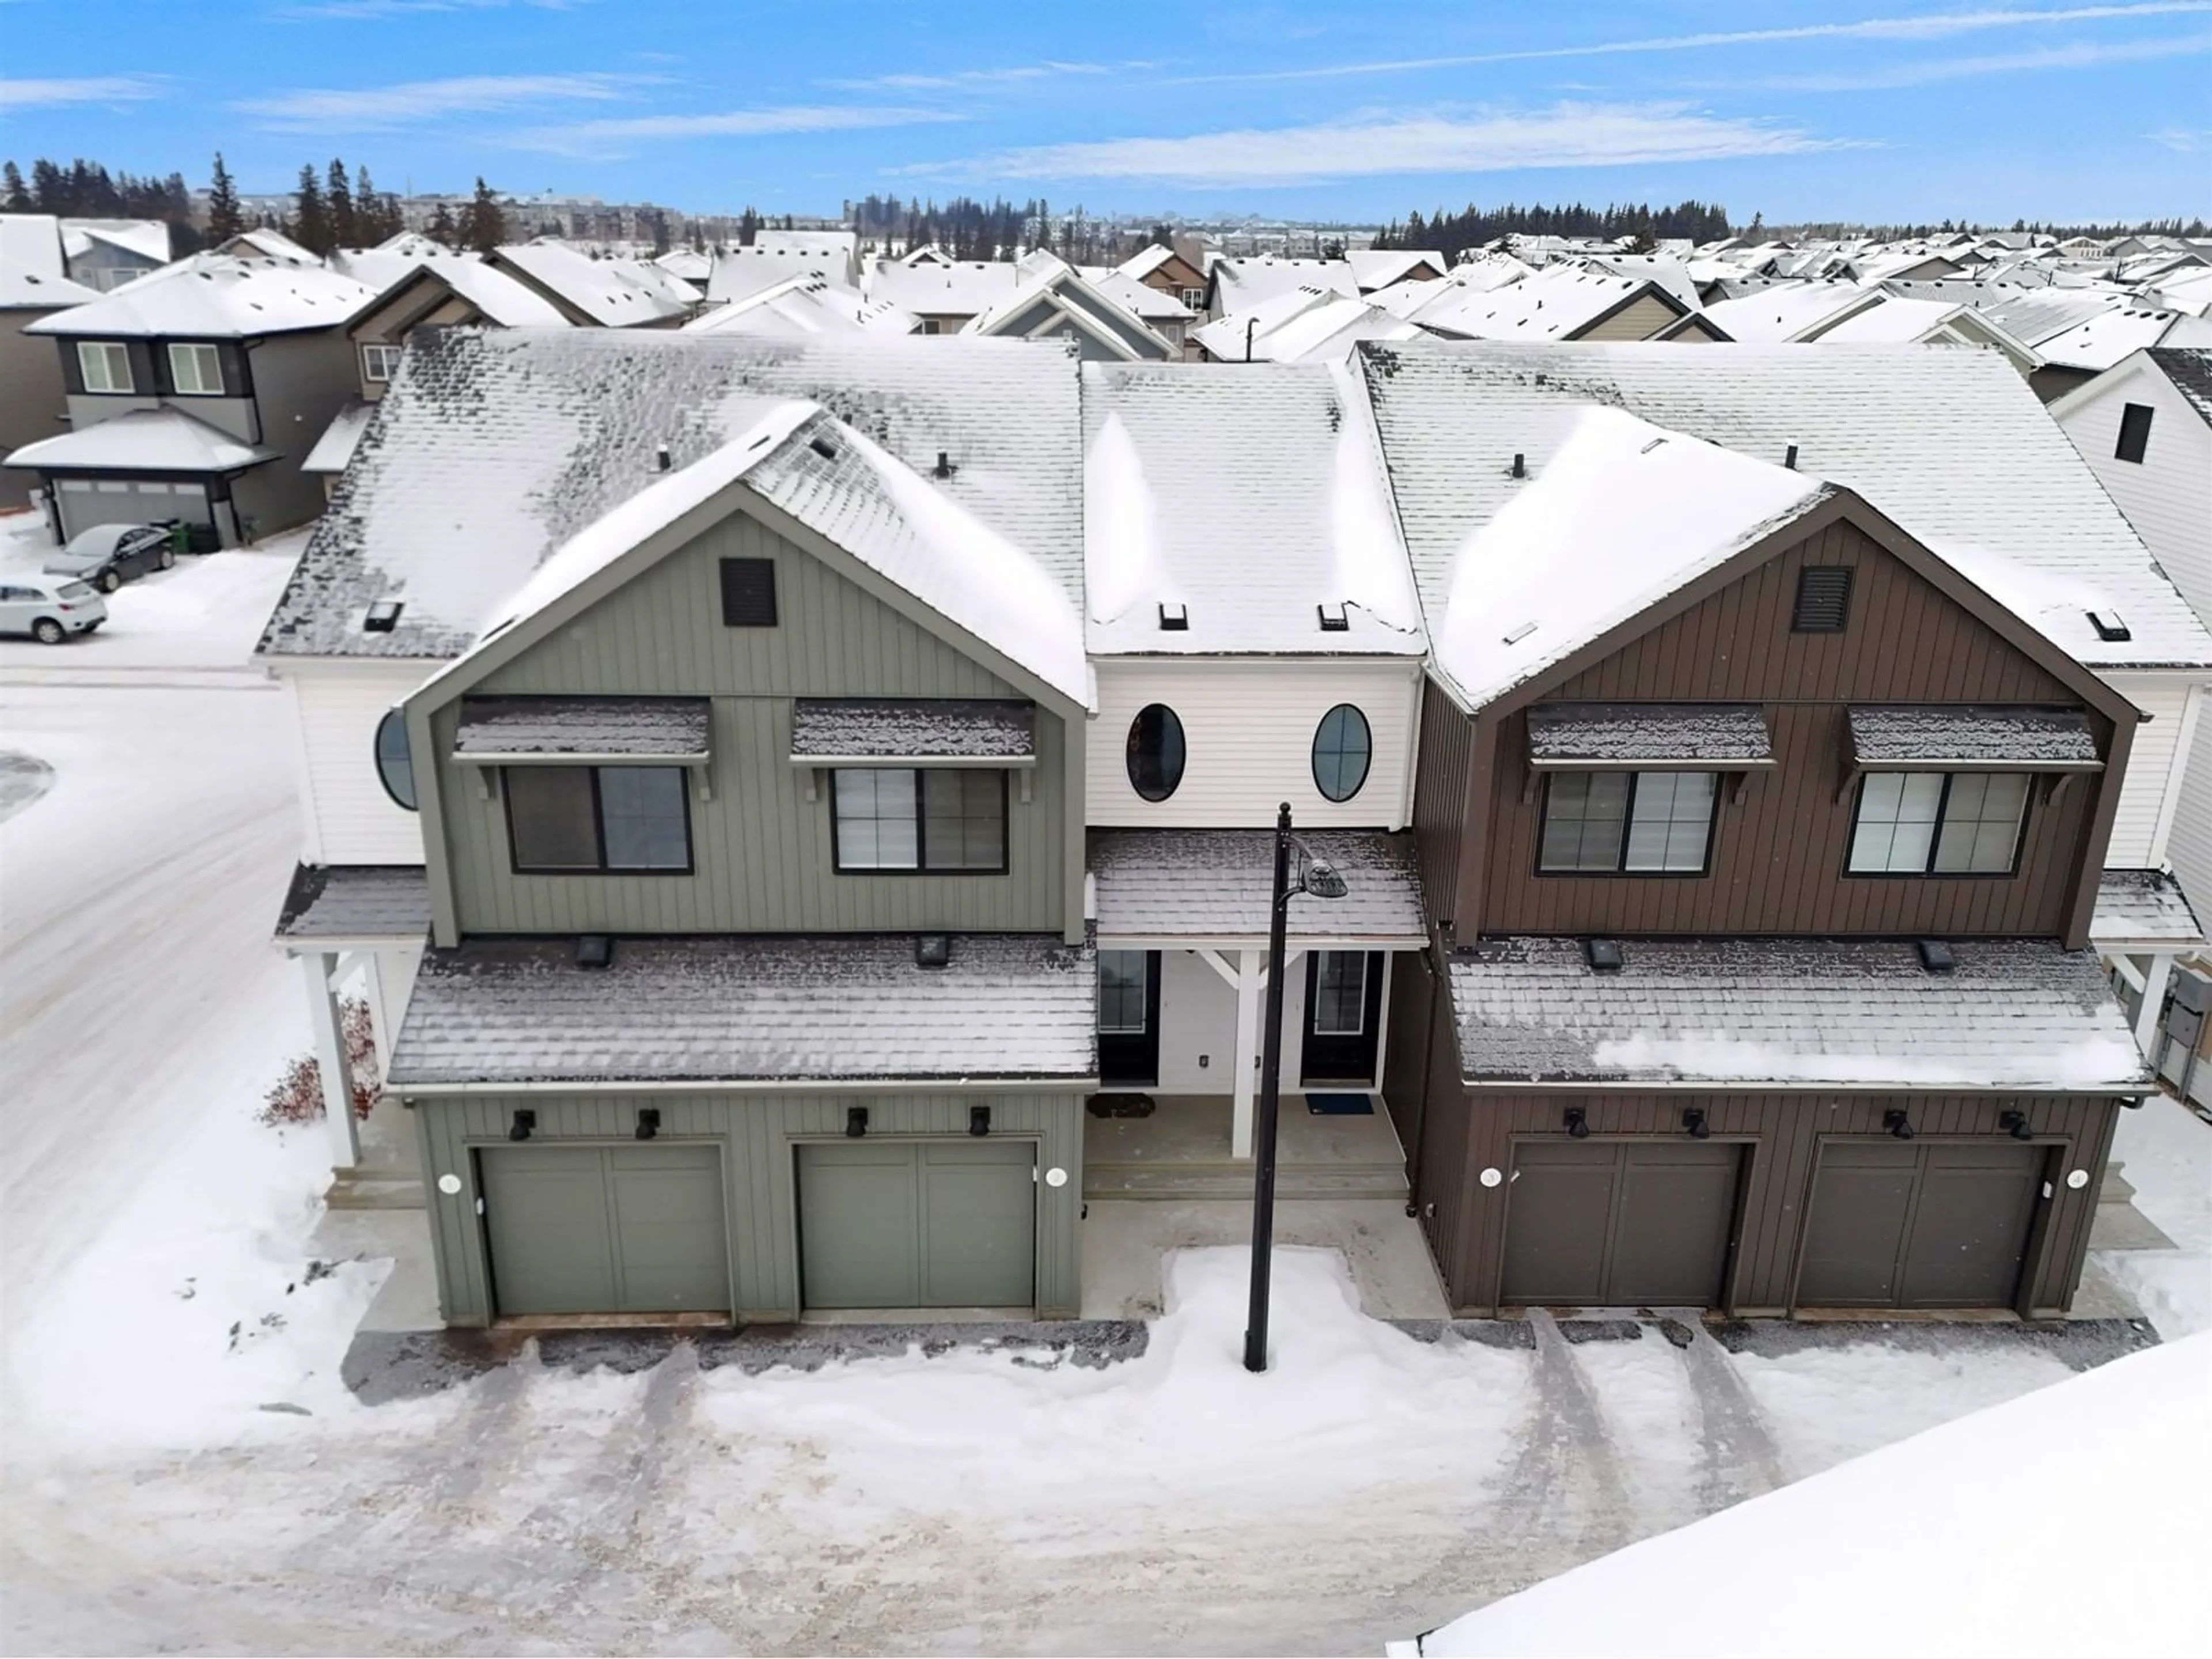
(1882, 111)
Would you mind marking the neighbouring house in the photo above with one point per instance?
(1166, 272)
(441, 291)
(105, 254)
(1305, 325)
(945, 294)
(2144, 426)
(612, 293)
(1374, 269)
(868, 732)
(33, 287)
(740, 272)
(841, 247)
(1051, 301)
(689, 266)
(1255, 640)
(195, 394)
(1760, 849)
(798, 308)
(1235, 285)
(1559, 302)
(2078, 355)
(1158, 310)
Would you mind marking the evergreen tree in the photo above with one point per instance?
(311, 215)
(14, 198)
(483, 227)
(371, 213)
(48, 188)
(225, 221)
(749, 224)
(345, 225)
(443, 230)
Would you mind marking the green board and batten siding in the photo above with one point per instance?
(761, 849)
(757, 1137)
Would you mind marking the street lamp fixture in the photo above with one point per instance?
(1319, 878)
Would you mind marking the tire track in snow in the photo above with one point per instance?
(1565, 1487)
(1740, 1459)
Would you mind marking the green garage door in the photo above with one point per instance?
(1901, 1224)
(918, 1224)
(612, 1230)
(1620, 1224)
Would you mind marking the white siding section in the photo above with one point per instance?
(2150, 767)
(2189, 848)
(1198, 1027)
(2168, 495)
(346, 816)
(1249, 729)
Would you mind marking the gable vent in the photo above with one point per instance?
(1824, 599)
(1175, 618)
(748, 593)
(2109, 625)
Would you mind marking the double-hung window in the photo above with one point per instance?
(106, 365)
(196, 371)
(910, 818)
(570, 820)
(1627, 824)
(379, 362)
(1939, 824)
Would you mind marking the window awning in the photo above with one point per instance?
(1972, 739)
(578, 731)
(940, 731)
(1589, 737)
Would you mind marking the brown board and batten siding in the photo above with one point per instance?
(757, 1135)
(1443, 815)
(761, 848)
(1783, 1134)
(1777, 856)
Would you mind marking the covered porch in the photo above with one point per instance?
(1182, 924)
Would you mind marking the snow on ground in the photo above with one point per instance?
(2167, 1150)
(208, 611)
(1946, 1543)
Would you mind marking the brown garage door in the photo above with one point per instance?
(1901, 1224)
(1620, 1223)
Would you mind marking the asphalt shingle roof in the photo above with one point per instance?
(1216, 884)
(2143, 907)
(343, 902)
(1747, 1012)
(912, 729)
(2190, 368)
(707, 1010)
(1895, 736)
(666, 727)
(1715, 732)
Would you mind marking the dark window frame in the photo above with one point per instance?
(1936, 837)
(395, 720)
(1129, 753)
(2134, 434)
(922, 867)
(725, 569)
(516, 866)
(1367, 752)
(1619, 872)
(1143, 989)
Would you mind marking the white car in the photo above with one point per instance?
(49, 609)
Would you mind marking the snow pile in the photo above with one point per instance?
(2167, 1150)
(1372, 571)
(1121, 556)
(1944, 1543)
(2092, 1062)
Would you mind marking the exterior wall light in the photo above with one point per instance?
(1898, 1122)
(526, 1120)
(856, 1121)
(979, 1120)
(1578, 1123)
(649, 1122)
(2015, 1125)
(1694, 1124)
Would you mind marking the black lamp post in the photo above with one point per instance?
(1319, 878)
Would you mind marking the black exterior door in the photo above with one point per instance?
(1344, 1015)
(1128, 1019)
(1901, 1224)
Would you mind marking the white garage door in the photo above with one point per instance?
(88, 502)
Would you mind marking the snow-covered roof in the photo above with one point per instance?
(1669, 271)
(740, 271)
(845, 242)
(1215, 885)
(500, 297)
(2189, 370)
(1254, 499)
(1952, 445)
(270, 245)
(1044, 282)
(148, 239)
(1946, 1542)
(2102, 341)
(800, 307)
(1555, 303)
(142, 441)
(1893, 322)
(1302, 325)
(1242, 283)
(2032, 315)
(22, 288)
(1145, 261)
(831, 729)
(2144, 910)
(1747, 1012)
(1785, 311)
(646, 728)
(613, 292)
(1615, 734)
(1613, 515)
(495, 448)
(217, 296)
(1141, 300)
(332, 902)
(690, 264)
(335, 448)
(959, 290)
(1373, 269)
(1888, 738)
(745, 1009)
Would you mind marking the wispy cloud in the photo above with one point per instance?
(1565, 135)
(360, 11)
(370, 108)
(977, 79)
(603, 140)
(2187, 140)
(87, 89)
(1941, 26)
(1930, 71)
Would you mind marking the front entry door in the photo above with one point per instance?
(1128, 1019)
(1344, 1015)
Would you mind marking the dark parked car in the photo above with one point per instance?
(109, 555)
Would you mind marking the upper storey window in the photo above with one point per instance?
(379, 362)
(1343, 748)
(196, 371)
(1156, 752)
(105, 364)
(1635, 823)
(1939, 824)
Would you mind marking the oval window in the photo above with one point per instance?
(1341, 751)
(1155, 753)
(393, 762)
